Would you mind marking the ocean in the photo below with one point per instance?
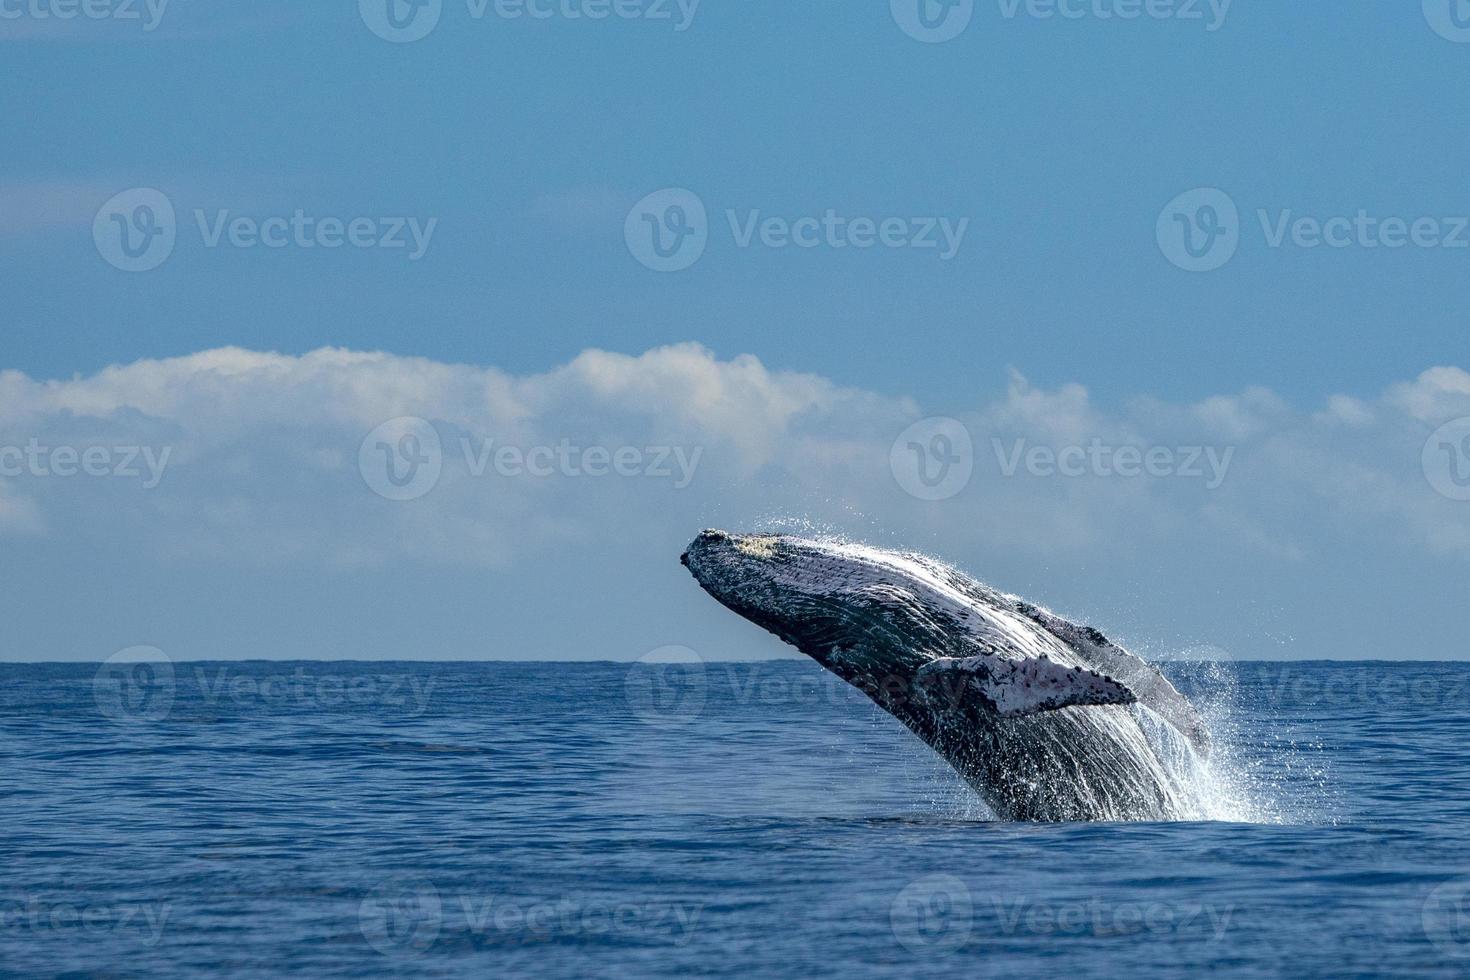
(741, 820)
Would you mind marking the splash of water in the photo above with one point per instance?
(1254, 775)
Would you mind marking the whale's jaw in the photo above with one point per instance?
(810, 599)
(1039, 715)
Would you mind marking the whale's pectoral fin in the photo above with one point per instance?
(1016, 687)
(1151, 687)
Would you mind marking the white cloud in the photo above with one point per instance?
(264, 459)
(1436, 395)
(265, 450)
(262, 484)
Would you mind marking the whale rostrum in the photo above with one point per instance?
(1046, 719)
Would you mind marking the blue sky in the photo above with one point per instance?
(1060, 140)
(527, 142)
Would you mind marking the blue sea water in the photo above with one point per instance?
(553, 820)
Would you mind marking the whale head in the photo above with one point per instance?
(844, 605)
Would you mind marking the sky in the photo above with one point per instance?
(253, 255)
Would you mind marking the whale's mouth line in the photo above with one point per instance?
(1028, 707)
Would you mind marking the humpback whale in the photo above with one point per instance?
(1045, 719)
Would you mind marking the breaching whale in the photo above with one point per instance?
(1046, 719)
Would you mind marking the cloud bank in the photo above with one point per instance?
(264, 473)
